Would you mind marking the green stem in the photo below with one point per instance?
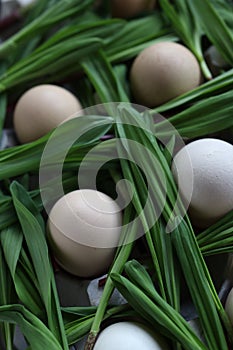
(205, 69)
(156, 264)
(117, 267)
(59, 319)
(197, 50)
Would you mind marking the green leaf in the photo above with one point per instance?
(104, 79)
(218, 237)
(167, 320)
(214, 27)
(221, 83)
(35, 240)
(37, 334)
(11, 240)
(78, 311)
(3, 105)
(187, 26)
(76, 330)
(61, 10)
(139, 276)
(21, 159)
(38, 250)
(168, 264)
(136, 35)
(128, 235)
(200, 285)
(7, 296)
(203, 118)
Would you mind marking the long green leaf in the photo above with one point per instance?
(105, 81)
(6, 296)
(26, 158)
(221, 83)
(200, 286)
(203, 118)
(167, 320)
(187, 26)
(136, 35)
(37, 334)
(11, 240)
(23, 277)
(36, 242)
(54, 14)
(3, 105)
(214, 27)
(128, 235)
(218, 237)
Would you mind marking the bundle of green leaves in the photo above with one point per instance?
(62, 39)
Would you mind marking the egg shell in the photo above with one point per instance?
(212, 192)
(216, 58)
(229, 305)
(41, 109)
(163, 71)
(130, 8)
(128, 335)
(84, 228)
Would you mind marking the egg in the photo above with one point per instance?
(229, 305)
(216, 58)
(130, 8)
(162, 72)
(212, 192)
(215, 61)
(84, 228)
(41, 109)
(128, 335)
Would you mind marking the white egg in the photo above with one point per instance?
(129, 336)
(84, 228)
(212, 192)
(41, 109)
(229, 305)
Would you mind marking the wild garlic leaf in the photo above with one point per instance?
(35, 331)
(218, 31)
(187, 26)
(157, 312)
(200, 285)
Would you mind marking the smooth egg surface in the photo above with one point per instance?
(41, 109)
(163, 71)
(84, 228)
(229, 305)
(129, 336)
(212, 192)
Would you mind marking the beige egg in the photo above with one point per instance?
(229, 305)
(162, 72)
(84, 228)
(212, 192)
(41, 109)
(130, 8)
